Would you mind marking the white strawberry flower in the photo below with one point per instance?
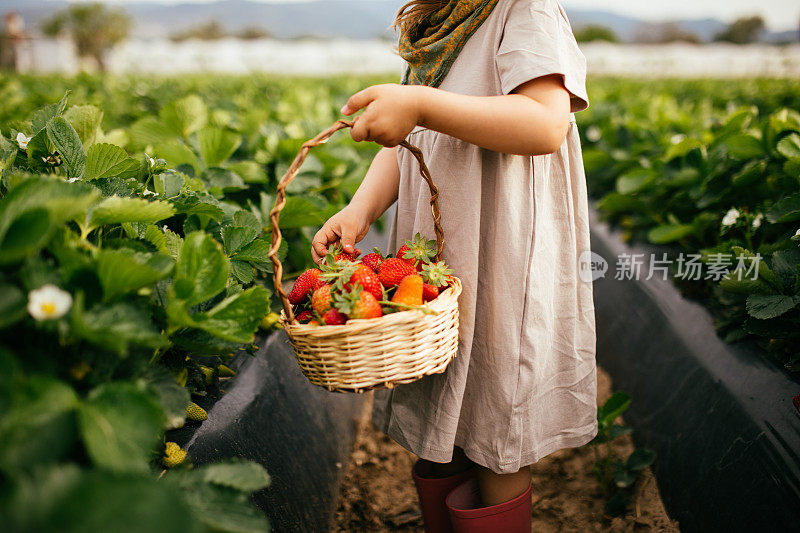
(677, 138)
(23, 140)
(594, 134)
(72, 180)
(757, 221)
(150, 160)
(48, 303)
(730, 217)
(797, 233)
(149, 193)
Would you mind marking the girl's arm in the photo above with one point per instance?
(533, 120)
(376, 193)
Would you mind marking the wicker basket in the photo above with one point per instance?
(374, 353)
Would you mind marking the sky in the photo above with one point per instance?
(780, 15)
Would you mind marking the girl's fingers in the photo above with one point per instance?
(358, 101)
(322, 239)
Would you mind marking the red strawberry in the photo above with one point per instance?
(304, 316)
(368, 279)
(409, 291)
(358, 303)
(342, 256)
(401, 253)
(429, 292)
(322, 299)
(333, 317)
(796, 402)
(392, 271)
(303, 285)
(373, 260)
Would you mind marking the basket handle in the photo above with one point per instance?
(280, 202)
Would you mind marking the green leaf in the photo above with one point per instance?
(168, 184)
(299, 211)
(789, 146)
(115, 327)
(617, 404)
(236, 317)
(175, 152)
(149, 131)
(682, 148)
(217, 145)
(785, 210)
(110, 161)
(25, 234)
(102, 501)
(635, 180)
(202, 269)
(12, 304)
(120, 426)
(86, 120)
(220, 180)
(239, 474)
(234, 237)
(766, 306)
(115, 210)
(243, 271)
(744, 147)
(173, 398)
(66, 142)
(669, 233)
(746, 285)
(224, 509)
(42, 116)
(121, 271)
(640, 458)
(40, 425)
(185, 116)
(614, 202)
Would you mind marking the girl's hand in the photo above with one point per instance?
(348, 226)
(392, 111)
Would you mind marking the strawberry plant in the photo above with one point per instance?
(711, 169)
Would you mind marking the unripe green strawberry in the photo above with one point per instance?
(208, 373)
(173, 455)
(270, 321)
(225, 372)
(195, 412)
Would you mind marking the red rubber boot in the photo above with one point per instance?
(466, 515)
(432, 493)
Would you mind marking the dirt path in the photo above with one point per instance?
(378, 493)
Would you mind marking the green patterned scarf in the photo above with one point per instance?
(430, 52)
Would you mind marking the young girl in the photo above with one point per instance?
(488, 97)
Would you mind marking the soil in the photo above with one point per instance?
(379, 495)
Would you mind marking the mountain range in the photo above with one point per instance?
(357, 19)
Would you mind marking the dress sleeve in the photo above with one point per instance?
(537, 41)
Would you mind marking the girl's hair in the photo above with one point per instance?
(414, 12)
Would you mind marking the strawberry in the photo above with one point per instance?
(173, 455)
(417, 252)
(437, 274)
(322, 299)
(429, 292)
(392, 271)
(409, 292)
(313, 323)
(796, 402)
(304, 316)
(195, 412)
(307, 282)
(368, 279)
(358, 303)
(373, 260)
(333, 317)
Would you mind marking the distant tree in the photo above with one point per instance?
(665, 32)
(207, 31)
(594, 32)
(742, 31)
(253, 32)
(94, 28)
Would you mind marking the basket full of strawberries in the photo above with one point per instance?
(359, 323)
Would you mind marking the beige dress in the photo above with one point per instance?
(524, 382)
